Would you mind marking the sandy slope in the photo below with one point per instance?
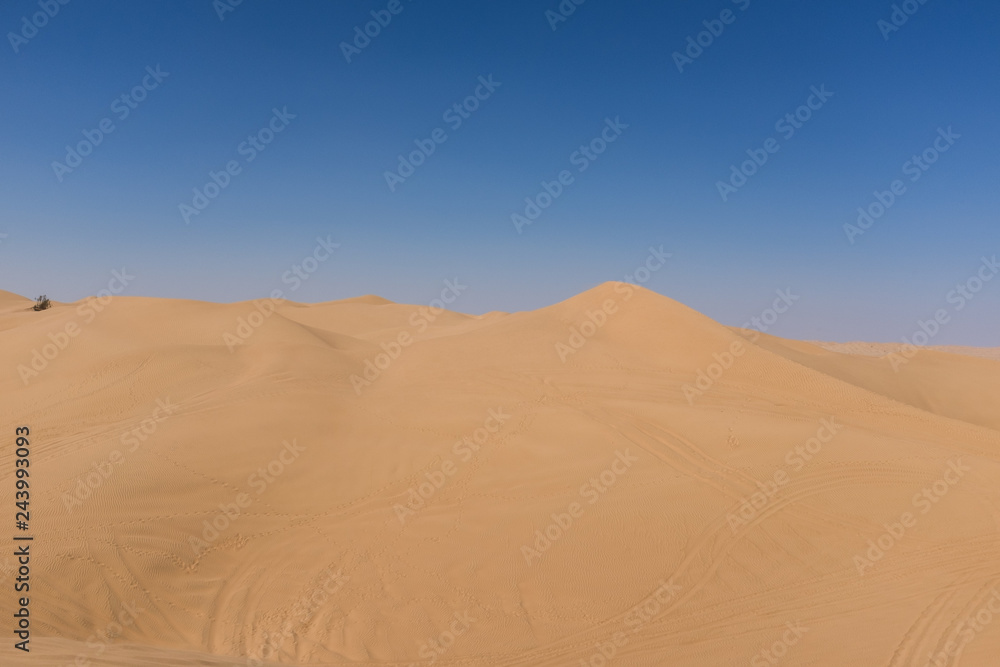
(147, 427)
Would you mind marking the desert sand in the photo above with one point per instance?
(362, 482)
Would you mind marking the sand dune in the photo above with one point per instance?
(613, 479)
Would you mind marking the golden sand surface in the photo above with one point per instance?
(362, 482)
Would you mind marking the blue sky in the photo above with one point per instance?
(894, 92)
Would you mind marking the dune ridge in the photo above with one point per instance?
(363, 482)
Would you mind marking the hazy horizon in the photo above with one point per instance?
(873, 98)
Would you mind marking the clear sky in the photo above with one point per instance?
(673, 128)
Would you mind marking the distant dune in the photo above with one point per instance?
(615, 479)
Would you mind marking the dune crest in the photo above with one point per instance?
(368, 482)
